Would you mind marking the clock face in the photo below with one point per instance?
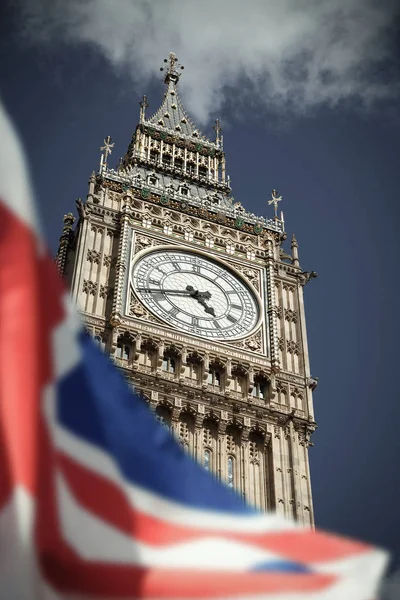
(195, 294)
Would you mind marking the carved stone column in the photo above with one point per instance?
(273, 329)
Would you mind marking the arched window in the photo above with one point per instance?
(239, 381)
(193, 372)
(147, 358)
(166, 159)
(214, 376)
(207, 459)
(184, 191)
(153, 155)
(123, 349)
(230, 472)
(202, 171)
(163, 415)
(100, 343)
(260, 389)
(168, 364)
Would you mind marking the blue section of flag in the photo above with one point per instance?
(281, 565)
(105, 419)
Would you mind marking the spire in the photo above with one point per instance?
(218, 129)
(171, 115)
(143, 105)
(295, 251)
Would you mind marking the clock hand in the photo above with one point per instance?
(199, 296)
(196, 294)
(190, 291)
(160, 291)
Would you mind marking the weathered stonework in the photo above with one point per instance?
(241, 407)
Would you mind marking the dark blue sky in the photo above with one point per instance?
(339, 174)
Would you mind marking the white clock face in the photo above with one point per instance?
(195, 294)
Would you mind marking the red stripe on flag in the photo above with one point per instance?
(30, 292)
(110, 503)
(105, 581)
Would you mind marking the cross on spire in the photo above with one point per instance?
(274, 200)
(106, 150)
(218, 129)
(172, 68)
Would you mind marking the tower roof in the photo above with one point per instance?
(171, 115)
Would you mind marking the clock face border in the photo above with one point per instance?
(226, 266)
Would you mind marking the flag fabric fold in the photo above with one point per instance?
(97, 500)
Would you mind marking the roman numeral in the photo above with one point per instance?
(236, 307)
(216, 324)
(161, 271)
(196, 268)
(195, 321)
(231, 319)
(174, 311)
(154, 281)
(176, 266)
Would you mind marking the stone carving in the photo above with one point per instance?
(306, 276)
(305, 438)
(93, 256)
(89, 287)
(143, 242)
(254, 343)
(183, 433)
(293, 347)
(290, 315)
(105, 291)
(107, 260)
(280, 343)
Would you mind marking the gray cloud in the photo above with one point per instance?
(390, 589)
(287, 54)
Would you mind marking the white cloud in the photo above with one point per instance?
(291, 54)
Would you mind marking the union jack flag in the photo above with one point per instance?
(96, 498)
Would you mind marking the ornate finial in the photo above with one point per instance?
(274, 200)
(69, 219)
(294, 243)
(218, 129)
(172, 68)
(106, 150)
(143, 105)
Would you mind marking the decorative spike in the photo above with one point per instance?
(143, 105)
(295, 252)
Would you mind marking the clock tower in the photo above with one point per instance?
(195, 300)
